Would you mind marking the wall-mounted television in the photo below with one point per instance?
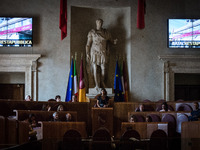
(184, 33)
(16, 32)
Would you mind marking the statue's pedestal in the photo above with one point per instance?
(93, 92)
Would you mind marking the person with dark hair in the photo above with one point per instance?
(133, 118)
(31, 120)
(195, 114)
(58, 98)
(148, 119)
(164, 107)
(102, 100)
(74, 98)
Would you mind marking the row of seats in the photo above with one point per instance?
(173, 118)
(13, 132)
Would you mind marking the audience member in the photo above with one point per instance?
(56, 116)
(164, 107)
(31, 120)
(46, 107)
(28, 98)
(148, 119)
(74, 98)
(68, 117)
(133, 118)
(58, 98)
(140, 108)
(102, 100)
(60, 108)
(195, 114)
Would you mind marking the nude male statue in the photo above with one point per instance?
(97, 50)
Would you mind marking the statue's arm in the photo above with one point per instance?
(88, 47)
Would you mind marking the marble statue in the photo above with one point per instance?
(97, 52)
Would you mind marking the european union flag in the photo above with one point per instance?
(70, 84)
(118, 89)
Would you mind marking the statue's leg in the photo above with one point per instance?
(103, 75)
(95, 76)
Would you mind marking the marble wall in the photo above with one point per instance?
(141, 47)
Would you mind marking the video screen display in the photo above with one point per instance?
(184, 33)
(16, 32)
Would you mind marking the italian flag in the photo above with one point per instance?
(82, 94)
(75, 80)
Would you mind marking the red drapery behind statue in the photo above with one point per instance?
(63, 18)
(140, 14)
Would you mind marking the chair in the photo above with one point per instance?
(101, 139)
(146, 101)
(161, 100)
(140, 118)
(184, 107)
(72, 140)
(130, 134)
(158, 140)
(171, 123)
(155, 117)
(181, 118)
(180, 100)
(126, 143)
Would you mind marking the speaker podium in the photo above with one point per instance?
(102, 118)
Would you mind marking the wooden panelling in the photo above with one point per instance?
(190, 135)
(145, 129)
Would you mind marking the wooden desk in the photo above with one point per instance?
(102, 117)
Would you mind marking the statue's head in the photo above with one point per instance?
(99, 23)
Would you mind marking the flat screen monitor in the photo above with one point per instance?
(184, 33)
(16, 32)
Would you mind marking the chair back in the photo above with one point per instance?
(171, 123)
(126, 143)
(158, 140)
(130, 134)
(155, 118)
(184, 107)
(72, 140)
(101, 139)
(181, 118)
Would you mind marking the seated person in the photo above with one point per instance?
(56, 116)
(195, 114)
(140, 108)
(133, 118)
(28, 98)
(58, 98)
(32, 120)
(164, 107)
(68, 117)
(102, 100)
(46, 107)
(32, 123)
(74, 98)
(148, 119)
(60, 108)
